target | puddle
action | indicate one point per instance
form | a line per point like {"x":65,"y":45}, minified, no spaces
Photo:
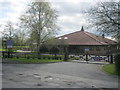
{"x":36,"y":75}
{"x":93,"y":86}
{"x":38,"y":84}
{"x":10,"y":79}
{"x":20,"y":74}
{"x":57,"y":79}
{"x":68,"y":84}
{"x":48,"y":77}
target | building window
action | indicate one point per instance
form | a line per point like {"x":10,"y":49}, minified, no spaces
{"x":118,"y":47}
{"x":97,"y":48}
{"x":91,"y":48}
{"x":104,"y":48}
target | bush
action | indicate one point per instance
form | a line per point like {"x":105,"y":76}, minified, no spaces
{"x":48,"y":58}
{"x":60,"y":58}
{"x":17,"y":57}
{"x":117,"y":63}
{"x":28,"y":57}
{"x":43,"y":49}
{"x":44,"y":57}
{"x":54,"y":50}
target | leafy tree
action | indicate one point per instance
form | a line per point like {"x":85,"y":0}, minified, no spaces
{"x":16,"y":35}
{"x":117,"y":63}
{"x":105,"y":17}
{"x":40,"y":20}
{"x":19,"y":38}
{"x":8,"y":30}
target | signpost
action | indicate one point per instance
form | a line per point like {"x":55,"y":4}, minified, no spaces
{"x":97,"y":58}
{"x":86,"y":50}
{"x":9,"y":47}
{"x":9,"y":44}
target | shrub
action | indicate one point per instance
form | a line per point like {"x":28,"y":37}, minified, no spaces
{"x":49,"y":58}
{"x":60,"y":58}
{"x":54,"y":50}
{"x":43,"y":49}
{"x":28,"y":57}
{"x":117,"y":63}
{"x":17,"y":57}
{"x":44,"y":57}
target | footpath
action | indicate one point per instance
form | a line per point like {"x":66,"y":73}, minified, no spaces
{"x":90,"y":62}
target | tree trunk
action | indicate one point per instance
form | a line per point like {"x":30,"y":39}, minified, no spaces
{"x":66,"y":54}
{"x":55,"y":55}
{"x":87,"y":58}
{"x":108,"y":58}
{"x":111,"y":59}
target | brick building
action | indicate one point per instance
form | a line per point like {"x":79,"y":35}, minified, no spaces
{"x":83,"y":42}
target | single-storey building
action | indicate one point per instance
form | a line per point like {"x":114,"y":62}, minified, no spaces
{"x":83,"y":42}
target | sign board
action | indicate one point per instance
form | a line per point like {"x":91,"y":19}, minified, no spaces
{"x":97,"y":58}
{"x":86,"y":49}
{"x":9,"y":43}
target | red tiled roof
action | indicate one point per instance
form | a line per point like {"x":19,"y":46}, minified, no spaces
{"x":85,"y":38}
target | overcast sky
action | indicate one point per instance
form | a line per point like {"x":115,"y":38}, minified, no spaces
{"x":71,"y":17}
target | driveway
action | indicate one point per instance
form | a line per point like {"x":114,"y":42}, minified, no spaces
{"x":56,"y":75}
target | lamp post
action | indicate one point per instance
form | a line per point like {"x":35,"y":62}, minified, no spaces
{"x":4,"y":46}
{"x":86,"y":51}
{"x":66,"y":51}
{"x":9,"y":47}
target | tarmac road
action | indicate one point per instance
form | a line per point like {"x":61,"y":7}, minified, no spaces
{"x":56,"y":75}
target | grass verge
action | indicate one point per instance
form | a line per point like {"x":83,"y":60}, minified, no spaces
{"x":110,"y":69}
{"x":14,"y":50}
{"x":24,"y":60}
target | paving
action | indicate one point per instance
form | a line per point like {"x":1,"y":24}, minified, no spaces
{"x":56,"y":75}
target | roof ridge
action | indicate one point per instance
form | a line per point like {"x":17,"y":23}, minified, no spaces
{"x":110,"y":39}
{"x":93,"y":38}
{"x":69,"y":33}
{"x":104,"y":39}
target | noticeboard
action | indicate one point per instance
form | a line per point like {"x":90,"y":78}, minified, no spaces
{"x":97,"y":58}
{"x":9,"y":43}
{"x":86,"y":49}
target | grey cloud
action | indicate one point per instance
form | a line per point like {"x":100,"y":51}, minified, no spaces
{"x":67,"y":8}
{"x":70,"y":10}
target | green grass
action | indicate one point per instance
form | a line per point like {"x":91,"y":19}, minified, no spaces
{"x":3,"y":49}
{"x":35,"y":55}
{"x":24,"y":60}
{"x":14,"y":50}
{"x":110,"y":69}
{"x":21,"y":46}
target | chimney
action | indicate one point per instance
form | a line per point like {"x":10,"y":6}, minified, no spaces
{"x":82,"y":29}
{"x":103,"y":35}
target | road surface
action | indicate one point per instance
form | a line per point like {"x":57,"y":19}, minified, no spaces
{"x":56,"y":75}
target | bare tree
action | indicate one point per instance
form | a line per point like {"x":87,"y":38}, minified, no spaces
{"x":8,"y":30}
{"x":105,"y":17}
